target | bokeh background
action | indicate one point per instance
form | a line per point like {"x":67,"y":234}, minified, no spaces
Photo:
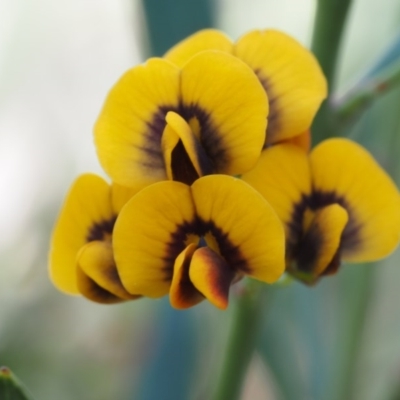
{"x":339,"y":340}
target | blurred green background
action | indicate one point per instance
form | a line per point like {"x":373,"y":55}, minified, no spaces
{"x":337,"y":341}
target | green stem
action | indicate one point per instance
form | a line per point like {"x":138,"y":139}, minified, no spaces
{"x":241,"y":342}
{"x":353,"y":339}
{"x":328,"y":29}
{"x":361,"y":96}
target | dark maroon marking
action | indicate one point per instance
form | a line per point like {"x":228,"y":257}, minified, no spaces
{"x":187,"y":291}
{"x":181,"y":165}
{"x":304,"y":249}
{"x":210,"y":140}
{"x":153,"y":134}
{"x":101,"y":229}
{"x":309,"y":249}
{"x":222,"y":276}
{"x":351,"y":238}
{"x":176,"y":245}
{"x":333,"y":266}
{"x":229,"y":252}
{"x":295,"y":226}
{"x":96,"y":292}
{"x":273,"y":115}
{"x":209,"y":149}
{"x":111,"y":273}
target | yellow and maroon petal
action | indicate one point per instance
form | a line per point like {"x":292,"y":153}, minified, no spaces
{"x":86,"y":215}
{"x":212,"y":276}
{"x":92,"y":291}
{"x":231,"y":124}
{"x":207,"y":39}
{"x":129,"y":129}
{"x":249,"y":234}
{"x":183,"y":293}
{"x":98,"y":277}
{"x":321,"y":241}
{"x":282,"y":176}
{"x":185,"y":158}
{"x":345,"y":173}
{"x":149,"y":234}
{"x":291,"y":76}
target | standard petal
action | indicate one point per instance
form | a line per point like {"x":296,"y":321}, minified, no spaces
{"x":96,"y":261}
{"x":183,"y":293}
{"x":345,"y":173}
{"x":86,"y":215}
{"x":321,"y":240}
{"x":129,"y":128}
{"x":207,"y":39}
{"x":120,"y":195}
{"x":282,"y":176}
{"x":249,"y":234}
{"x":212,"y":276}
{"x":149,"y":234}
{"x":230,"y":106}
{"x":291,"y":76}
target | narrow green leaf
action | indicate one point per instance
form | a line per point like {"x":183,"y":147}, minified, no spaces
{"x":381,"y":77}
{"x":10,"y":387}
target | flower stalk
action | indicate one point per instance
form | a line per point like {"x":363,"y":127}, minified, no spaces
{"x":328,"y":31}
{"x":243,"y":334}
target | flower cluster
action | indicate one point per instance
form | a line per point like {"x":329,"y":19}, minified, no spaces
{"x":212,"y":180}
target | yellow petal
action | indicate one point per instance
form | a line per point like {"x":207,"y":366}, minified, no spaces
{"x":149,"y":234}
{"x":185,"y":158}
{"x":249,"y":234}
{"x":86,"y":215}
{"x":129,"y":128}
{"x":92,"y":291}
{"x":291,"y":77}
{"x":207,"y":39}
{"x":282,"y":176}
{"x":303,"y":140}
{"x":182,"y":293}
{"x":321,"y":241}
{"x":346,"y":173}
{"x":232,"y":125}
{"x":96,"y":261}
{"x":212,"y":276}
{"x":120,"y":195}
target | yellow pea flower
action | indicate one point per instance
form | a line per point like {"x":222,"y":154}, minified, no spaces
{"x":161,"y":121}
{"x":289,"y":73}
{"x":193,"y":242}
{"x":336,"y":204}
{"x":81,"y":256}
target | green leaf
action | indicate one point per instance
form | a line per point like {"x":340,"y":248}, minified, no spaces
{"x":381,"y":77}
{"x":10,"y":387}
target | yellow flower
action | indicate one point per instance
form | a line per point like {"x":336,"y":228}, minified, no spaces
{"x":336,"y":204}
{"x":81,"y":256}
{"x":195,"y":241}
{"x":163,"y":122}
{"x":289,"y":73}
